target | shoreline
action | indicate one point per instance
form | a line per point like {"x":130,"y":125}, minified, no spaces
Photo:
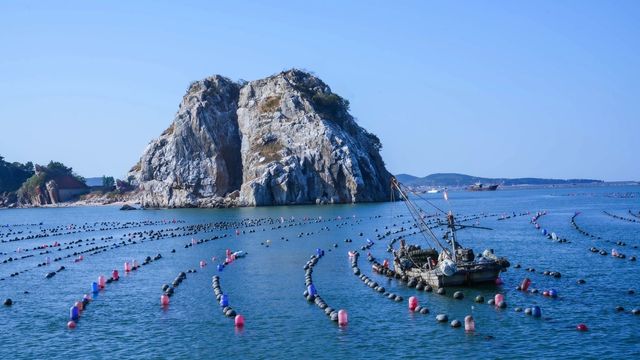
{"x":137,"y":205}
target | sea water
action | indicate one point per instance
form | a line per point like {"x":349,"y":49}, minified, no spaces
{"x":126,"y":319}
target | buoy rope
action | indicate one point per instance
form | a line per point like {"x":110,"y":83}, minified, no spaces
{"x":620,"y":217}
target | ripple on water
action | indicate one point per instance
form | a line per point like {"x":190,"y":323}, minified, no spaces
{"x":126,"y":319}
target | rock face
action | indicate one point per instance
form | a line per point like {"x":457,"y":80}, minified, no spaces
{"x":196,"y":161}
{"x":286,"y":139}
{"x":8,"y":199}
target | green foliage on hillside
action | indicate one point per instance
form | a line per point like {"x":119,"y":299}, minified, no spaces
{"x":45,"y":173}
{"x":12,"y":175}
{"x":330,"y":105}
{"x":108,"y":181}
{"x":55,"y":168}
{"x":30,"y":186}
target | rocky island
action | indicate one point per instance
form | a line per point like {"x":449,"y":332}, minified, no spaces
{"x":285,"y":139}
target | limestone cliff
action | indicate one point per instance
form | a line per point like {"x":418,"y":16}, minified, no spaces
{"x":286,"y":139}
{"x":196,"y":161}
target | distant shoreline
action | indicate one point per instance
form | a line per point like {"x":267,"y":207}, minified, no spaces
{"x":137,"y":205}
{"x":454,"y":180}
{"x":531,"y":186}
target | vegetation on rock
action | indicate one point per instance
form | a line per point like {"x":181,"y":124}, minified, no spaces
{"x":12,"y":175}
{"x":270,"y":104}
{"x":34,"y":185}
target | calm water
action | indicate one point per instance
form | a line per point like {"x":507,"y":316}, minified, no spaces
{"x":126,"y":319}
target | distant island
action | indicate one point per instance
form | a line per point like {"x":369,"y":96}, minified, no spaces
{"x":461,"y":180}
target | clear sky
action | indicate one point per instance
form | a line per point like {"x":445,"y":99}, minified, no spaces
{"x":487,"y":88}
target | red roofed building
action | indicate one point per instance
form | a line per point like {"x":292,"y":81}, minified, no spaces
{"x":69,"y":187}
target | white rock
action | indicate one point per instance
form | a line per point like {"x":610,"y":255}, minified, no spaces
{"x":268,"y":142}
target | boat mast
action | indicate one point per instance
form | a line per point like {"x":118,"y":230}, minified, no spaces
{"x":452,"y":229}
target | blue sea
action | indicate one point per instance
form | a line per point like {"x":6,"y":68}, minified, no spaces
{"x":126,"y":320}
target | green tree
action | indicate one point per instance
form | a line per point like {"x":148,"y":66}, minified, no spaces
{"x":58,"y":168}
{"x":12,"y":175}
{"x":108,"y":181}
{"x":55,"y":168}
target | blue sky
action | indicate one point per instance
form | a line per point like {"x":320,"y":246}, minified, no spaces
{"x":488,"y":88}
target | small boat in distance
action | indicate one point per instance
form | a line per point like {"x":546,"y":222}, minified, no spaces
{"x":482,"y":187}
{"x":433,"y":191}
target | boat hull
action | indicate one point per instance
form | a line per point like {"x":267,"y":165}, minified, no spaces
{"x":483,"y":188}
{"x":462,"y":277}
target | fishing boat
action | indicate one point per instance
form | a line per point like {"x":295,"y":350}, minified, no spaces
{"x":444,"y":263}
{"x":482,"y":187}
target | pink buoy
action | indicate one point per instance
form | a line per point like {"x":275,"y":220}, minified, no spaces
{"x":524,"y":286}
{"x":343,"y":318}
{"x":413,"y":303}
{"x":237,"y":232}
{"x":135,"y":264}
{"x":102,"y":281}
{"x":115,"y":275}
{"x":239,"y":321}
{"x":164,"y":299}
{"x":193,"y":242}
{"x":582,"y":327}
{"x":498,"y":298}
{"x":71,"y":324}
{"x":469,"y":323}
{"x":79,"y":305}
{"x":499,"y":281}
{"x":385,"y":264}
{"x":202,"y":263}
{"x":127,"y":266}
